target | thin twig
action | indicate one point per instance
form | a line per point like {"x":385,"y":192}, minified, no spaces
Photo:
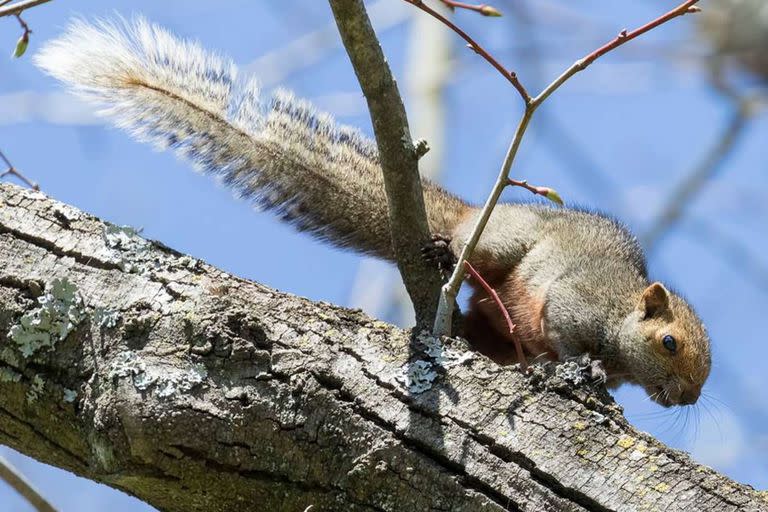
{"x":13,"y":172}
{"x":19,"y":7}
{"x":622,"y":38}
{"x":442,"y":324}
{"x":504,"y":311}
{"x":583,"y":170}
{"x":547,"y":192}
{"x":484,"y":9}
{"x":509,"y":75}
{"x":16,"y":480}
{"x":23,"y":24}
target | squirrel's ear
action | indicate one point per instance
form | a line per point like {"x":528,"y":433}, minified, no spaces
{"x":655,"y":301}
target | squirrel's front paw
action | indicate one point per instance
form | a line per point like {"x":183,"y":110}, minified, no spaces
{"x":438,"y":251}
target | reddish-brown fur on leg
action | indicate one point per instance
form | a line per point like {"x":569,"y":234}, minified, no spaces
{"x":487,"y":329}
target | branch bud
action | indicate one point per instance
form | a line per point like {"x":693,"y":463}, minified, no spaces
{"x":550,"y":194}
{"x":488,"y":10}
{"x":21,"y":45}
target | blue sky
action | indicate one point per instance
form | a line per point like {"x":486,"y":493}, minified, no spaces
{"x":616,"y":138}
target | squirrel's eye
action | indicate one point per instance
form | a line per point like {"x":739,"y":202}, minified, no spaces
{"x":669,"y":343}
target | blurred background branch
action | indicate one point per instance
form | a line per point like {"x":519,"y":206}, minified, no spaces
{"x":18,"y":483}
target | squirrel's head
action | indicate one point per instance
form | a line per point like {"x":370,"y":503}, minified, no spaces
{"x":666,"y":347}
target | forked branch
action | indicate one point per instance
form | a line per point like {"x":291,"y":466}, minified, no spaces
{"x":442,"y":324}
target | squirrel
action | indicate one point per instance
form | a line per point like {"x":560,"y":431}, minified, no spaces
{"x":574,"y":282}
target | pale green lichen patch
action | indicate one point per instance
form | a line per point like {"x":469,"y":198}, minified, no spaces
{"x":103,"y":452}
{"x":417,"y":376}
{"x":441,"y":355}
{"x":60,"y":310}
{"x":105,"y":318}
{"x":130,"y":249}
{"x":164,"y":381}
{"x":70,"y":395}
{"x":9,"y":356}
{"x":36,"y":389}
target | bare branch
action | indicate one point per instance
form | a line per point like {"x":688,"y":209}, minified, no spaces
{"x":504,"y":312}
{"x":623,"y":38}
{"x":399,"y":158}
{"x":443,"y":319}
{"x":16,"y":480}
{"x":509,"y":75}
{"x":12,"y":171}
{"x":484,"y":9}
{"x":20,"y":7}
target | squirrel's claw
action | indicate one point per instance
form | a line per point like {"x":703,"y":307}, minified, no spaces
{"x":438,"y":251}
{"x":597,"y":371}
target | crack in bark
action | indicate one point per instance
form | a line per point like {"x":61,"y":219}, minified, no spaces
{"x":54,"y":249}
{"x":442,"y":461}
{"x":541,"y":477}
{"x":87,"y":261}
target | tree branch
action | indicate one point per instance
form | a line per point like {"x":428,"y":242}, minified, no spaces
{"x":483,"y":9}
{"x":20,"y":7}
{"x":474,"y":46}
{"x":16,"y":480}
{"x":12,"y":171}
{"x":399,"y":159}
{"x":195,"y":390}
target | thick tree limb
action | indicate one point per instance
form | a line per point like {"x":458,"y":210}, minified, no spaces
{"x":399,"y":158}
{"x":195,"y":390}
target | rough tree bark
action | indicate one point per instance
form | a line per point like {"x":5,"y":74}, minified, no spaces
{"x":132,"y":365}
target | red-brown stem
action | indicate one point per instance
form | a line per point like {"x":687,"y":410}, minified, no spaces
{"x":622,"y":38}
{"x":625,"y":36}
{"x":23,"y":24}
{"x":495,"y":296}
{"x":524,"y":184}
{"x":469,"y":7}
{"x":509,"y":75}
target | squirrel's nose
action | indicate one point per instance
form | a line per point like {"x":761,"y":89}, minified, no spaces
{"x":689,"y":396}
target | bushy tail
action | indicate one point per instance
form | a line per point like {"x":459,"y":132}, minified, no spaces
{"x":281,"y":154}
